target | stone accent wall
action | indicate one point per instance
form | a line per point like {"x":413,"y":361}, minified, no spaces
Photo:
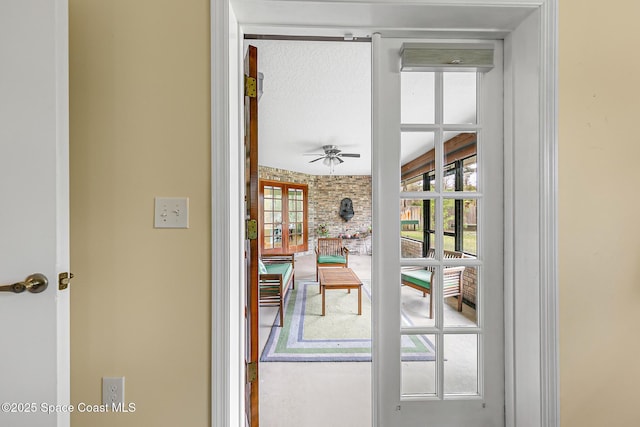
{"x":325,"y":193}
{"x":410,"y":248}
{"x":470,"y":285}
{"x":330,"y":190}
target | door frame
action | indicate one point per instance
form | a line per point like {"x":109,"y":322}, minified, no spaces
{"x":531,"y":284}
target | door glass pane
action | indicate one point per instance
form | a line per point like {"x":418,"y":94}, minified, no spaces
{"x":449,"y":215}
{"x":413,"y":184}
{"x":460,"y":223}
{"x":460,"y":291}
{"x":449,"y":178}
{"x":416,"y":308}
{"x":418,"y":366}
{"x":277,"y":236}
{"x":417,"y":153}
{"x":470,"y":226}
{"x":461,"y":364}
{"x":470,"y":173}
{"x":272,"y":217}
{"x":417,"y":228}
{"x":417,"y":98}
{"x":460,"y":166}
{"x":268,"y":236}
{"x":459,"y":98}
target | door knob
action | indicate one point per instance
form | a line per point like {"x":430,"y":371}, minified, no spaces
{"x":35,"y":283}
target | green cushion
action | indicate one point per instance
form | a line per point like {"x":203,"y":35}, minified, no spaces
{"x":417,"y":277}
{"x":285,"y":269}
{"x":331,"y":259}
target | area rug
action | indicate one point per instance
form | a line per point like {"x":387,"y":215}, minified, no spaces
{"x":339,"y":336}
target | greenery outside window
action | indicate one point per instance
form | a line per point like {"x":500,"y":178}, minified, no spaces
{"x":459,"y":216}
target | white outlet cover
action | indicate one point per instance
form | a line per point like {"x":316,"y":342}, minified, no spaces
{"x":112,"y":390}
{"x":171,"y":212}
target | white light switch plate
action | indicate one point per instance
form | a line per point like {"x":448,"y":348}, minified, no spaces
{"x":171,"y":212}
{"x":112,"y":390}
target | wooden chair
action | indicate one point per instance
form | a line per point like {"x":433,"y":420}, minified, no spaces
{"x":277,"y":275}
{"x":331,"y":253}
{"x":422,"y":278}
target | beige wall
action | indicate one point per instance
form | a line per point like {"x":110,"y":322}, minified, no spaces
{"x":140,"y":128}
{"x":599,"y":205}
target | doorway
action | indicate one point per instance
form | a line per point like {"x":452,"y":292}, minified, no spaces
{"x":522,"y":28}
{"x":316,"y":94}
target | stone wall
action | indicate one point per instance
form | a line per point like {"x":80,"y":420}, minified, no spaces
{"x":470,"y":285}
{"x":410,"y":248}
{"x":324,"y":195}
{"x":330,"y":190}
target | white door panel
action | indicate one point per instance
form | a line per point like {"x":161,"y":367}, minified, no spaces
{"x":438,"y":407}
{"x":34,"y":231}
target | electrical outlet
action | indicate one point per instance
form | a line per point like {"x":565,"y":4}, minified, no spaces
{"x":112,"y":390}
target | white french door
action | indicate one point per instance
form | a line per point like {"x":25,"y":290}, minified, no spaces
{"x":438,"y":221}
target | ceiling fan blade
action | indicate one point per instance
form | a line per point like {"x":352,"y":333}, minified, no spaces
{"x":315,"y":160}
{"x":313,"y":154}
{"x":349,"y":155}
{"x":340,"y":160}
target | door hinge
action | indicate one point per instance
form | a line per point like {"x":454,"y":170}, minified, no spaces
{"x":251,"y":229}
{"x":63,"y":280}
{"x":250,"y":86}
{"x":252,"y":371}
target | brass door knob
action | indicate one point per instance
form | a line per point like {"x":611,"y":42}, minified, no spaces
{"x":35,"y":283}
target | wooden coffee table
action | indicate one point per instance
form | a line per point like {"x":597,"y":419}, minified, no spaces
{"x":339,"y":278}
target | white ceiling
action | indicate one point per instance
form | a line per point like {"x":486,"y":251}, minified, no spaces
{"x":315,"y":93}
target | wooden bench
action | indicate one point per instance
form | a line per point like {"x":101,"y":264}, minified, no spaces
{"x":421,"y":279}
{"x":409,"y":224}
{"x":274,"y":280}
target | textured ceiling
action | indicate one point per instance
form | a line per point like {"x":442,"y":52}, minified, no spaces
{"x":319,"y":93}
{"x":315,"y":94}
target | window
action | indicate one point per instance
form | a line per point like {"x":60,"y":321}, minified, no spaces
{"x":283,"y":217}
{"x":459,"y":215}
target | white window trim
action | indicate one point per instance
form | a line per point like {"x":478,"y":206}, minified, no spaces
{"x":526,"y":402}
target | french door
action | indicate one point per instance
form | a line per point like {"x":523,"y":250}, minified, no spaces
{"x":438,"y":220}
{"x":283,"y":217}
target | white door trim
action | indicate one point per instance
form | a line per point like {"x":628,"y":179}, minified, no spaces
{"x":531,"y":311}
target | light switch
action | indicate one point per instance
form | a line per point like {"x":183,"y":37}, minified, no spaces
{"x":172,"y":212}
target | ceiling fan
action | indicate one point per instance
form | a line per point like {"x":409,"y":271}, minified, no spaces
{"x":331,"y":155}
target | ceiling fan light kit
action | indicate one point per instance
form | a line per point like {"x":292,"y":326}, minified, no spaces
{"x":331,"y":156}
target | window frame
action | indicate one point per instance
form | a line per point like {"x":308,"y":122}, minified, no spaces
{"x":285,"y":248}
{"x":428,"y":227}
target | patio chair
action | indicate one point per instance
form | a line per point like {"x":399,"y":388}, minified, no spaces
{"x":331,"y":253}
